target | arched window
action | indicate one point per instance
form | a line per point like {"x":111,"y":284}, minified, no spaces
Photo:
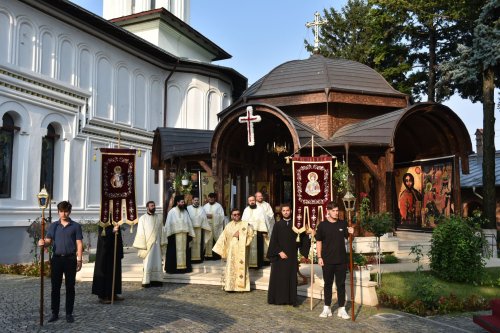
{"x":6,"y":148}
{"x":47,"y":170}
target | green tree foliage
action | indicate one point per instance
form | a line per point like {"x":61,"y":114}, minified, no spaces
{"x":404,"y":40}
{"x":456,"y":251}
{"x":474,"y":73}
{"x":359,"y":33}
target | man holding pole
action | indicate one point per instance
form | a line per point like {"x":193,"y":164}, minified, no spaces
{"x":331,"y":252}
{"x":66,"y":238}
{"x":107,"y":256}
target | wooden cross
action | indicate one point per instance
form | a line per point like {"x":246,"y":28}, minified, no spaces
{"x":250,"y":119}
{"x":316,"y":24}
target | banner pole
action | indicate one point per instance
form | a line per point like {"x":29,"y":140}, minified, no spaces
{"x":42,"y":259}
{"x":312,"y":146}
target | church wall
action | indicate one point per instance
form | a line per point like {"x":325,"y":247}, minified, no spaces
{"x":87,"y":89}
{"x":203,"y":98}
{"x":52,"y":73}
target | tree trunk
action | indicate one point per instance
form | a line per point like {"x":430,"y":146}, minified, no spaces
{"x":489,"y":201}
{"x":431,"y":88}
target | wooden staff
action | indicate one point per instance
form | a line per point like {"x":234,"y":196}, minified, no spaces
{"x":114,"y":267}
{"x":351,"y":267}
{"x":312,"y":241}
{"x":311,"y":257}
{"x":116,"y":241}
{"x":42,"y":258}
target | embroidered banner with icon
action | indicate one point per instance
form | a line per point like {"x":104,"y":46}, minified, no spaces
{"x":118,"y":186}
{"x":312,"y":190}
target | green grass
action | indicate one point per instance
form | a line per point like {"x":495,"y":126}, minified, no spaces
{"x":398,"y":284}
{"x":423,"y":294}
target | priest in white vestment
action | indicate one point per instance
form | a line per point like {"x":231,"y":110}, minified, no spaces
{"x":233,"y":245}
{"x":202,"y":230}
{"x":149,"y":241}
{"x":259,"y":197}
{"x":256,"y":217}
{"x":215,"y":215}
{"x":179,"y":232}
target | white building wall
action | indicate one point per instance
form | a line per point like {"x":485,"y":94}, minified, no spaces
{"x":53,"y":73}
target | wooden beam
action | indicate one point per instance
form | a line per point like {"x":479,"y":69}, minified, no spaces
{"x":372,"y":167}
{"x":205,"y":167}
{"x":383,"y":188}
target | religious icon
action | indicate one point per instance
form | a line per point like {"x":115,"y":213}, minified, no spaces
{"x":312,"y":187}
{"x":117,"y":179}
{"x":410,"y":196}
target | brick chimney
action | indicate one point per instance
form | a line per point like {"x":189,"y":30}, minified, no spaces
{"x":479,"y":144}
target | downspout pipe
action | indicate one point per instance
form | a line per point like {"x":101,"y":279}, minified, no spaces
{"x":165,"y":93}
{"x":476,"y":194}
{"x":167,"y":182}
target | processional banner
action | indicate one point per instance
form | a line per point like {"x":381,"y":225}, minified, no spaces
{"x":118,"y":186}
{"x":312,"y":190}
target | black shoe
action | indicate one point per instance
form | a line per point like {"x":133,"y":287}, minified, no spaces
{"x":53,"y":318}
{"x":147,"y":285}
{"x":70,"y":318}
{"x":104,"y":301}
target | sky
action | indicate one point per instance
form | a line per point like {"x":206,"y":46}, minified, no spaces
{"x":262,"y":34}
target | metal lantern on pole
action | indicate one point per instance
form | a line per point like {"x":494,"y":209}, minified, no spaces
{"x":43,"y":199}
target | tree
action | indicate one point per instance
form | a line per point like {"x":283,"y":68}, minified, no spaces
{"x":360,"y":34}
{"x":378,"y":224}
{"x":475,"y":73}
{"x":432,"y":29}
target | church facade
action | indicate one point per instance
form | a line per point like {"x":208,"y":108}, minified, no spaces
{"x":342,"y":107}
{"x":72,"y":82}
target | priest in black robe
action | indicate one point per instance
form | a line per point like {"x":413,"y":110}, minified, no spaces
{"x":282,"y":254}
{"x":102,"y":283}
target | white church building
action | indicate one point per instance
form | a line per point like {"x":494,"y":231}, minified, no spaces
{"x":72,"y":82}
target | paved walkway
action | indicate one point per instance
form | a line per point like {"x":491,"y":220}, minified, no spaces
{"x":198,"y":308}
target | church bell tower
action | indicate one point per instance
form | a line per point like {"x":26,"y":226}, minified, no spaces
{"x":117,"y":8}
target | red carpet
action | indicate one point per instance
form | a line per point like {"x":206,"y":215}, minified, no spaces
{"x":491,"y":323}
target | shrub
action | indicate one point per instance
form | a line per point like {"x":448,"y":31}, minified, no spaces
{"x":390,"y":259}
{"x":456,"y":248}
{"x":27,"y":270}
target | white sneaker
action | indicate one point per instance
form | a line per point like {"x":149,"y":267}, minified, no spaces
{"x":341,"y":313}
{"x":327,"y":312}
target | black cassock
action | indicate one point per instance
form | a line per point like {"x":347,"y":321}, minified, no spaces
{"x":103,"y":270}
{"x":171,"y":257}
{"x":283,"y":281}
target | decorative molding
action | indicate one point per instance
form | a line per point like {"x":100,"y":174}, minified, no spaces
{"x":44,"y":90}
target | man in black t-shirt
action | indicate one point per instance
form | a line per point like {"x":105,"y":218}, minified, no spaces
{"x":330,"y":248}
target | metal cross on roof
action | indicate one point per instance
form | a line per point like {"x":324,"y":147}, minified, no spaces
{"x":250,"y":119}
{"x":316,"y":24}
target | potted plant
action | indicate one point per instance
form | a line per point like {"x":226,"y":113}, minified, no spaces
{"x":185,"y":178}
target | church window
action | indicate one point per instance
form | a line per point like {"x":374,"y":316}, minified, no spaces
{"x":6,"y":150}
{"x":48,"y":156}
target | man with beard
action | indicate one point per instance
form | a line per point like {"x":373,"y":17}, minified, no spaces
{"x":179,"y":232}
{"x":256,"y":217}
{"x":202,"y":230}
{"x":233,"y":245}
{"x":268,"y":211}
{"x":283,"y":256}
{"x":215,"y":215}
{"x":149,"y":241}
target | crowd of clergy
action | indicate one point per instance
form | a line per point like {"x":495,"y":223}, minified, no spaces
{"x":250,"y":240}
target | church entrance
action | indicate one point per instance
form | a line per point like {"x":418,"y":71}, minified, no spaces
{"x":259,"y":167}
